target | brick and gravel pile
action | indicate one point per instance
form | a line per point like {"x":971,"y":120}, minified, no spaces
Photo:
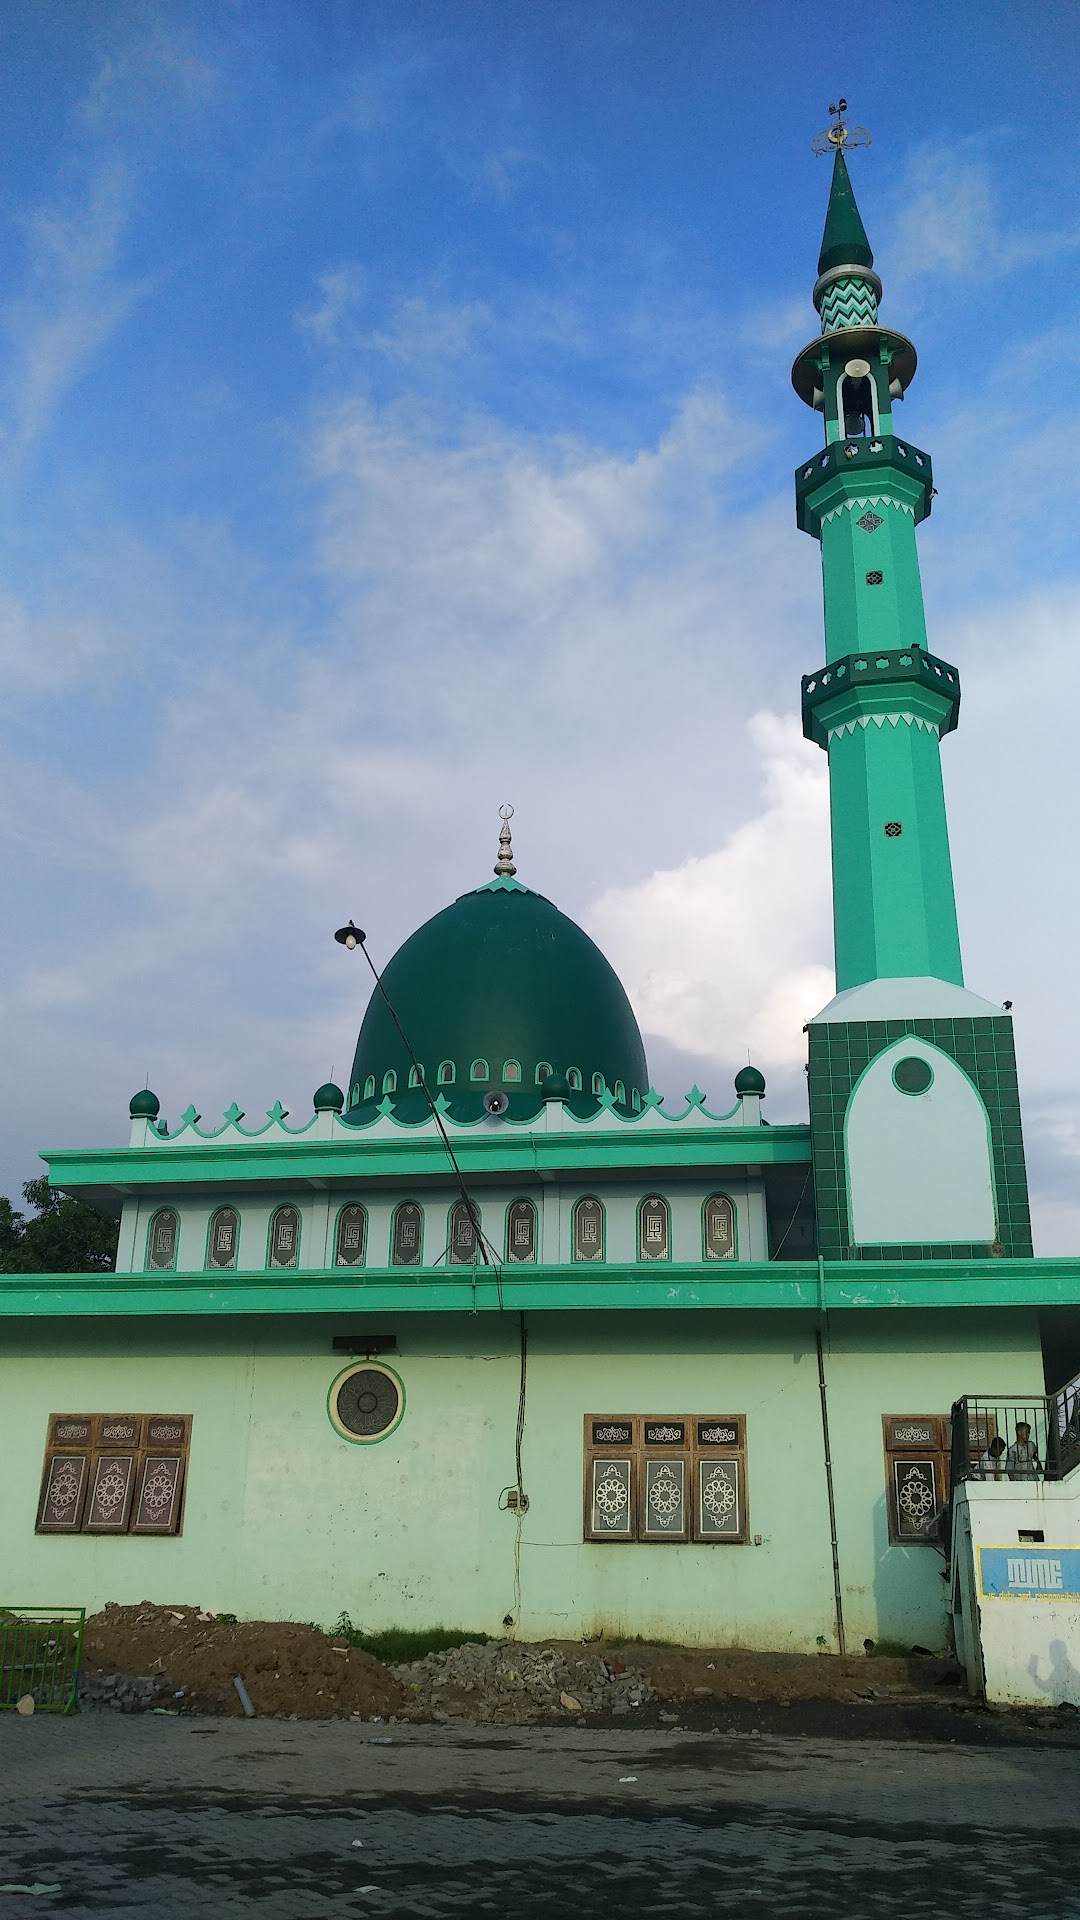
{"x":514,"y":1681}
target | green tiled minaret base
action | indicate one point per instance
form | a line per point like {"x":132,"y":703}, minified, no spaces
{"x":984,"y":1050}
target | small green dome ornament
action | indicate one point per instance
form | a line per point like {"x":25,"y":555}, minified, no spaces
{"x":144,"y":1105}
{"x":328,"y":1098}
{"x":749,"y":1080}
{"x":555,"y":1087}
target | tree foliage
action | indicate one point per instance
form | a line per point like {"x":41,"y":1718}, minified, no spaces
{"x":61,"y":1236}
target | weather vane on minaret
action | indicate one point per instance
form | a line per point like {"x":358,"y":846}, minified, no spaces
{"x":835,"y":138}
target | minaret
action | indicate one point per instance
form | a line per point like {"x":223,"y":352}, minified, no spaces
{"x":913,"y":1103}
{"x":882,"y":703}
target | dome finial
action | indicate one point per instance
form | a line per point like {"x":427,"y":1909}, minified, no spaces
{"x":505,"y":862}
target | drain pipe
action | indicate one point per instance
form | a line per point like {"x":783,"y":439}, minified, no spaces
{"x":837,"y":1595}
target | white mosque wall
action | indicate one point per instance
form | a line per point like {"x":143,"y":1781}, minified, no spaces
{"x":286,"y":1519}
{"x":1016,"y":1590}
{"x":919,"y":1165}
{"x":554,"y":1202}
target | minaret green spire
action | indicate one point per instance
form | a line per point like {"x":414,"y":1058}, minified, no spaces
{"x":882,"y":703}
{"x":844,"y":241}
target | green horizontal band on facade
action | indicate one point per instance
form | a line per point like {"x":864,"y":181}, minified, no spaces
{"x":777,"y":1285}
{"x":860,"y":683}
{"x":845,"y":467}
{"x":502,"y":1154}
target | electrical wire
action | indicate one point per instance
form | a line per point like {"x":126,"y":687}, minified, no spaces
{"x":776,"y":1250}
{"x":482,"y":1242}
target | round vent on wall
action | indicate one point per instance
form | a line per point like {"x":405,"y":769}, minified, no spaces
{"x":366,"y":1402}
{"x":912,"y":1074}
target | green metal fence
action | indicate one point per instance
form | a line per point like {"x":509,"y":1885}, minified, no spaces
{"x":40,"y":1655}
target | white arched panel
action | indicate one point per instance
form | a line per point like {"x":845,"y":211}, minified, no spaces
{"x":918,"y":1164}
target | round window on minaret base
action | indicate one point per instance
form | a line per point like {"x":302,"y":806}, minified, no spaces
{"x":366,"y":1403}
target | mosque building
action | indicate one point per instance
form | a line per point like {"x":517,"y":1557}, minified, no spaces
{"x":498,"y":1339}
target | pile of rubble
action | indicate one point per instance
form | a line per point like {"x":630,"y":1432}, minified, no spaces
{"x":513,"y":1681}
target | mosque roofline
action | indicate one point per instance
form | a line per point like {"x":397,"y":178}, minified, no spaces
{"x":808,"y":1287}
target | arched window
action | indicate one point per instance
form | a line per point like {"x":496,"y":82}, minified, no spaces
{"x":354,"y":1096}
{"x":446,"y":1073}
{"x":351,"y":1237}
{"x":521,"y":1232}
{"x":573,"y":1075}
{"x":598,"y":1084}
{"x":620,"y":1094}
{"x":654,"y":1229}
{"x":478,"y":1070}
{"x":369,"y":1087}
{"x":543,"y":1072}
{"x":389,"y":1082}
{"x":285,"y":1237}
{"x":635,"y":1101}
{"x":588,"y":1230}
{"x":161,"y":1241}
{"x":406,"y":1237}
{"x":718,"y":1228}
{"x":462,"y":1236}
{"x":511,"y":1070}
{"x":223,"y":1238}
{"x":416,"y":1076}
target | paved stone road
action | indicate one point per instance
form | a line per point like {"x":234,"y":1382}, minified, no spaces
{"x":162,"y":1819}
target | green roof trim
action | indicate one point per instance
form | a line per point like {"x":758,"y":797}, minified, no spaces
{"x":844,"y":242}
{"x":725,"y":1284}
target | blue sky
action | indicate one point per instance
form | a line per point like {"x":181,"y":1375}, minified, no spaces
{"x":395,"y":420}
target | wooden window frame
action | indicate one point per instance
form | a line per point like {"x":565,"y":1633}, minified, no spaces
{"x":137,"y":1441}
{"x":693,"y":1450}
{"x":933,"y":1452}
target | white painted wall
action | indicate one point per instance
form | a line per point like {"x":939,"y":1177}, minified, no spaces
{"x":919,"y":1166}
{"x":1020,"y":1649}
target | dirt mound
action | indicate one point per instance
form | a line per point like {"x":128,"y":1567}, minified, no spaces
{"x":286,"y":1667}
{"x":731,"y":1673}
{"x":515,"y":1682}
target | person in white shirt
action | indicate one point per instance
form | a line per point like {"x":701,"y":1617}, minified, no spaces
{"x":989,"y":1467}
{"x":1022,"y":1460}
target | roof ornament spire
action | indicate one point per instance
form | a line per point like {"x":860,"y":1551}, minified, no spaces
{"x":504,"y":865}
{"x":835,"y":138}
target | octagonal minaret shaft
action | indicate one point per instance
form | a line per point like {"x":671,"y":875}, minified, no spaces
{"x":881,"y":703}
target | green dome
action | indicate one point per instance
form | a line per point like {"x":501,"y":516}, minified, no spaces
{"x":144,"y":1105}
{"x":749,"y":1080}
{"x":328,"y":1097}
{"x":496,"y":992}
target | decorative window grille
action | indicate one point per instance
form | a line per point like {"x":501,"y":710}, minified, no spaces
{"x":917,"y":1475}
{"x":446,"y":1073}
{"x":654,"y":1229}
{"x":718,"y":1227}
{"x":114,"y":1473}
{"x":657,"y":1478}
{"x":351,"y":1237}
{"x":511,"y":1070}
{"x":521,"y":1232}
{"x":285,"y":1237}
{"x":369,"y":1087}
{"x":573,"y":1075}
{"x":389,"y":1082}
{"x":598,"y":1083}
{"x":366,"y":1402}
{"x":462,"y":1237}
{"x":588,"y":1230}
{"x":223,"y":1238}
{"x":478,"y":1070}
{"x":161,"y":1240}
{"x":405,"y":1239}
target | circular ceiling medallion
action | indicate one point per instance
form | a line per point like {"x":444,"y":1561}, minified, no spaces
{"x":365,"y":1402}
{"x":912,"y":1074}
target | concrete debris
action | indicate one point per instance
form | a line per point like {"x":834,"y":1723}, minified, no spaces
{"x":506,"y":1678}
{"x":25,"y":1705}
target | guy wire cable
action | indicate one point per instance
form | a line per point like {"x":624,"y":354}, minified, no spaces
{"x":481,"y":1240}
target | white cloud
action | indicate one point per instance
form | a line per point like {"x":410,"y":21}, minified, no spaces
{"x":729,"y":951}
{"x":950,"y":222}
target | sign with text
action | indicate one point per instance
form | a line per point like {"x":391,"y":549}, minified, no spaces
{"x":1029,"y":1573}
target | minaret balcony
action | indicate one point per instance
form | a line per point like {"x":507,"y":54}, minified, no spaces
{"x":906,"y":681}
{"x":847,"y":468}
